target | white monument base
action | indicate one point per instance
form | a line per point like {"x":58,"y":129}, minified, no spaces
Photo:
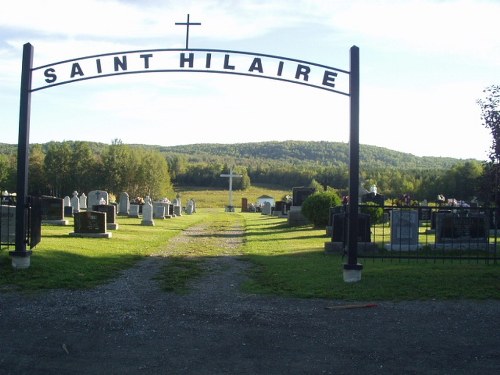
{"x":150,"y":223}
{"x":112,"y":226}
{"x":20,"y":262}
{"x":352,"y":273}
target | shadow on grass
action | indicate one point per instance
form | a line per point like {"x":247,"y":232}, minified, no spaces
{"x":63,"y":269}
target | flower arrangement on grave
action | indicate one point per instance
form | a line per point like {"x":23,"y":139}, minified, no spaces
{"x":138,"y":200}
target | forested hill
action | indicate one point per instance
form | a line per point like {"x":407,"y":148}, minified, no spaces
{"x":302,"y":152}
{"x":299,"y":153}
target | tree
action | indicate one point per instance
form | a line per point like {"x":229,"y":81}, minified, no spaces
{"x":57,"y":165}
{"x":37,"y":181}
{"x":4,"y":172}
{"x":490,"y":116}
{"x":316,"y":207}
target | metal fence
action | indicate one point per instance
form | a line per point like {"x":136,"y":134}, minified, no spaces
{"x":32,"y":233}
{"x":429,"y":233}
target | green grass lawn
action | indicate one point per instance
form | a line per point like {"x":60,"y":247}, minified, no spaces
{"x":287,"y":261}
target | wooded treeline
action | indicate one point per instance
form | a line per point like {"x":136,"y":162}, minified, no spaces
{"x":59,"y":168}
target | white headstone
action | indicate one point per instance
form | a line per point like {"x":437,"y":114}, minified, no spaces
{"x":83,"y":201}
{"x":75,"y":202}
{"x":147,"y":213}
{"x":266,"y":208}
{"x":124,"y":205}
{"x":67,"y":201}
{"x":404,"y":230}
{"x":96,"y":197}
{"x":190,"y":207}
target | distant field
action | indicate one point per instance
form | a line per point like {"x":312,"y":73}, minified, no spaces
{"x":216,"y":198}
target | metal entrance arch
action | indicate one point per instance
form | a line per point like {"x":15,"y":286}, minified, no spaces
{"x":189,"y":60}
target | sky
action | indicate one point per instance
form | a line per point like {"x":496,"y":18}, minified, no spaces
{"x":423,"y":66}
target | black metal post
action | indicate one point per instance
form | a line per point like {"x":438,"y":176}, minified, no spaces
{"x":352,"y":265}
{"x":23,"y":153}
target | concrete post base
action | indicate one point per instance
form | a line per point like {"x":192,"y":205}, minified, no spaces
{"x":20,"y":260}
{"x":352,"y":272}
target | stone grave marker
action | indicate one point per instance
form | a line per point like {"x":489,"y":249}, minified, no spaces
{"x":404,"y":230}
{"x":456,"y":230}
{"x":135,"y":211}
{"x":266,"y":208}
{"x":299,"y":194}
{"x":75,"y":202}
{"x":83,"y":202}
{"x":96,"y":197}
{"x":190,"y":207}
{"x":124,"y":204}
{"x":147,"y":213}
{"x":90,"y":224}
{"x":110,"y":210}
{"x":158,"y":211}
{"x":52,"y":211}
{"x":339,"y":232}
{"x":68,"y":210}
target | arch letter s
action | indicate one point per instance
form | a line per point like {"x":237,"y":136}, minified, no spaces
{"x":50,"y":73}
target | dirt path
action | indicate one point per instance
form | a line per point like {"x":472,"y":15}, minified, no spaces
{"x":130,"y":326}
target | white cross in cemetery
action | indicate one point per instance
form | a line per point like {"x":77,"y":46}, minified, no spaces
{"x":230,"y":208}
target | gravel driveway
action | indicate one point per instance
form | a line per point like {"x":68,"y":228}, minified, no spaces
{"x":130,"y":326}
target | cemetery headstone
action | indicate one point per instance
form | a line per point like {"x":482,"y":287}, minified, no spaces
{"x":404,"y":230}
{"x":110,"y":210}
{"x":83,"y":201}
{"x":68,"y":210}
{"x":177,"y":207}
{"x":460,"y":230}
{"x":147,"y":213}
{"x":124,"y":204}
{"x":90,"y":224}
{"x":299,"y":194}
{"x":96,"y":197}
{"x":266,"y":208}
{"x":158,"y":211}
{"x":52,"y":210}
{"x":244,"y":204}
{"x":339,"y":232}
{"x":75,"y":202}
{"x":190,"y":207}
{"x":67,"y":201}
{"x":134,"y":211}
{"x":278,"y":208}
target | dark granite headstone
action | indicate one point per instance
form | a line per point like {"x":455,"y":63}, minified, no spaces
{"x":244,"y":204}
{"x":90,"y":222}
{"x":300,"y":194}
{"x":52,"y":208}
{"x":454,"y":228}
{"x":110,"y":210}
{"x":340,"y":226}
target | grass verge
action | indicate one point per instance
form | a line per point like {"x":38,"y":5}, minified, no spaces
{"x":61,"y":261}
{"x":288,"y":261}
{"x":291,"y":262}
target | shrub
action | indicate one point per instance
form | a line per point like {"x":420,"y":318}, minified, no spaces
{"x":316,"y":207}
{"x":375,"y":211}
